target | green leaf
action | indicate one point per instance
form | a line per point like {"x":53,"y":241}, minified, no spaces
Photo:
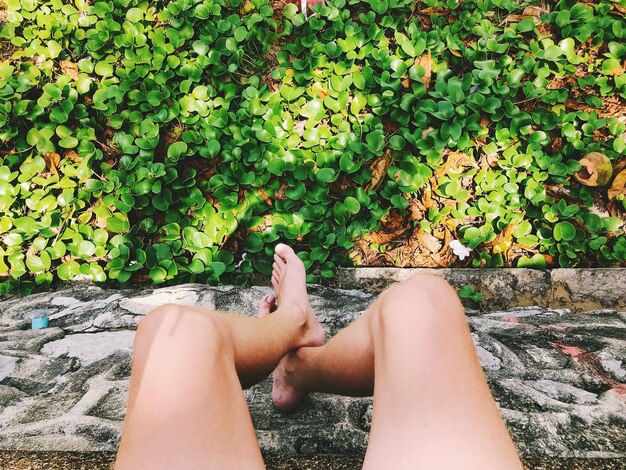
{"x":564,"y":231}
{"x":85,"y":249}
{"x":177,"y":150}
{"x":325,"y":175}
{"x":134,"y":15}
{"x":553,"y":53}
{"x":538,"y":261}
{"x":104,"y":69}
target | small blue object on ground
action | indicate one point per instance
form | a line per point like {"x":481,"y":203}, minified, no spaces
{"x":39,"y":323}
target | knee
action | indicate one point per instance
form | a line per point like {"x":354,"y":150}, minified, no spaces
{"x":417,"y":302}
{"x":172,"y":325}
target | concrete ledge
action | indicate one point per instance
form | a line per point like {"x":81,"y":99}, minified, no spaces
{"x":559,"y":377}
{"x":575,"y":289}
{"x":105,"y":460}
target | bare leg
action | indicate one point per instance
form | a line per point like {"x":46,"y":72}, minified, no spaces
{"x":186,"y":408}
{"x":432,"y":405}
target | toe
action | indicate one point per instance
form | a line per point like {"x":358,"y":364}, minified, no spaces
{"x":280,"y":263}
{"x":265,"y":306}
{"x":275,"y":284}
{"x":285,"y":252}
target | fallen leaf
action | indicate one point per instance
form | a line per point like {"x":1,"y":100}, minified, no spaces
{"x":265,"y":197}
{"x":455,"y":162}
{"x":618,"y":186}
{"x":73,"y":156}
{"x":52,"y":160}
{"x":439,"y":11}
{"x":280,"y":192}
{"x":70,"y":69}
{"x":529,"y":12}
{"x":379,"y":170}
{"x":503,"y":238}
{"x":596,"y":171}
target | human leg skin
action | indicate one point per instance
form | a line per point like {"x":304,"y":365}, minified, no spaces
{"x":186,"y":408}
{"x":432,"y":405}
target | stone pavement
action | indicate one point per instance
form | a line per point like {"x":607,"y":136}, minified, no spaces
{"x":559,"y":377}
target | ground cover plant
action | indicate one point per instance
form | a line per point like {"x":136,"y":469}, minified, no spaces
{"x":179,"y":141}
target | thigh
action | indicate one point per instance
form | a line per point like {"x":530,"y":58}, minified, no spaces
{"x":432,"y":405}
{"x":186,"y":406}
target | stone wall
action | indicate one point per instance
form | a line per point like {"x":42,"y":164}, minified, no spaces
{"x":558,"y":377}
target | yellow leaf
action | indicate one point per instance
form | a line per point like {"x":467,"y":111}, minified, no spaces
{"x":618,"y":186}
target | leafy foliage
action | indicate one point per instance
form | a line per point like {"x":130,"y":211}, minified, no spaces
{"x":180,"y":140}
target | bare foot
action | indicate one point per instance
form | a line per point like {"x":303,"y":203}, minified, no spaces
{"x":287,"y":397}
{"x":266,"y":304}
{"x":289,"y":281}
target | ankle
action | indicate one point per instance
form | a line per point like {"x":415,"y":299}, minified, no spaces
{"x":296,"y":315}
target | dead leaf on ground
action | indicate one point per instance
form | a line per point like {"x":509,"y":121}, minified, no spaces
{"x":70,"y":69}
{"x":430,"y":242}
{"x":416,"y":209}
{"x":619,"y":9}
{"x":596,"y":171}
{"x":426,"y":62}
{"x":379,"y":170}
{"x":280,"y":192}
{"x":503,"y":238}
{"x":52,"y":160}
{"x":439,"y":11}
{"x":446,"y":256}
{"x":455,"y":163}
{"x":381,"y":238}
{"x":533,"y":12}
{"x":265,"y":197}
{"x":618,"y":186}
{"x":73,"y":156}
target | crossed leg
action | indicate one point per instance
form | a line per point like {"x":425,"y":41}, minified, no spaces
{"x":186,"y":407}
{"x":412,"y":349}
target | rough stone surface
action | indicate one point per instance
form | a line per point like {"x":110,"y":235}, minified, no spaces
{"x":558,"y":376}
{"x":104,"y":461}
{"x":576,"y":289}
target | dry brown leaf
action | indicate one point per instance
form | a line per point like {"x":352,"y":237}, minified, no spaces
{"x":416,"y":209}
{"x":425,"y":61}
{"x":503,"y":238}
{"x":431,"y":243}
{"x":379,"y":170}
{"x":532,"y":12}
{"x":280,"y":192}
{"x":439,"y":11}
{"x":620,"y":9}
{"x":455,"y":162}
{"x":446,"y":256}
{"x":52,"y":160}
{"x":596,"y":171}
{"x":265,"y":197}
{"x":529,"y":12}
{"x":618,"y":186}
{"x":73,"y":156}
{"x":70,"y":69}
{"x":406,"y":83}
{"x":383,"y":238}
